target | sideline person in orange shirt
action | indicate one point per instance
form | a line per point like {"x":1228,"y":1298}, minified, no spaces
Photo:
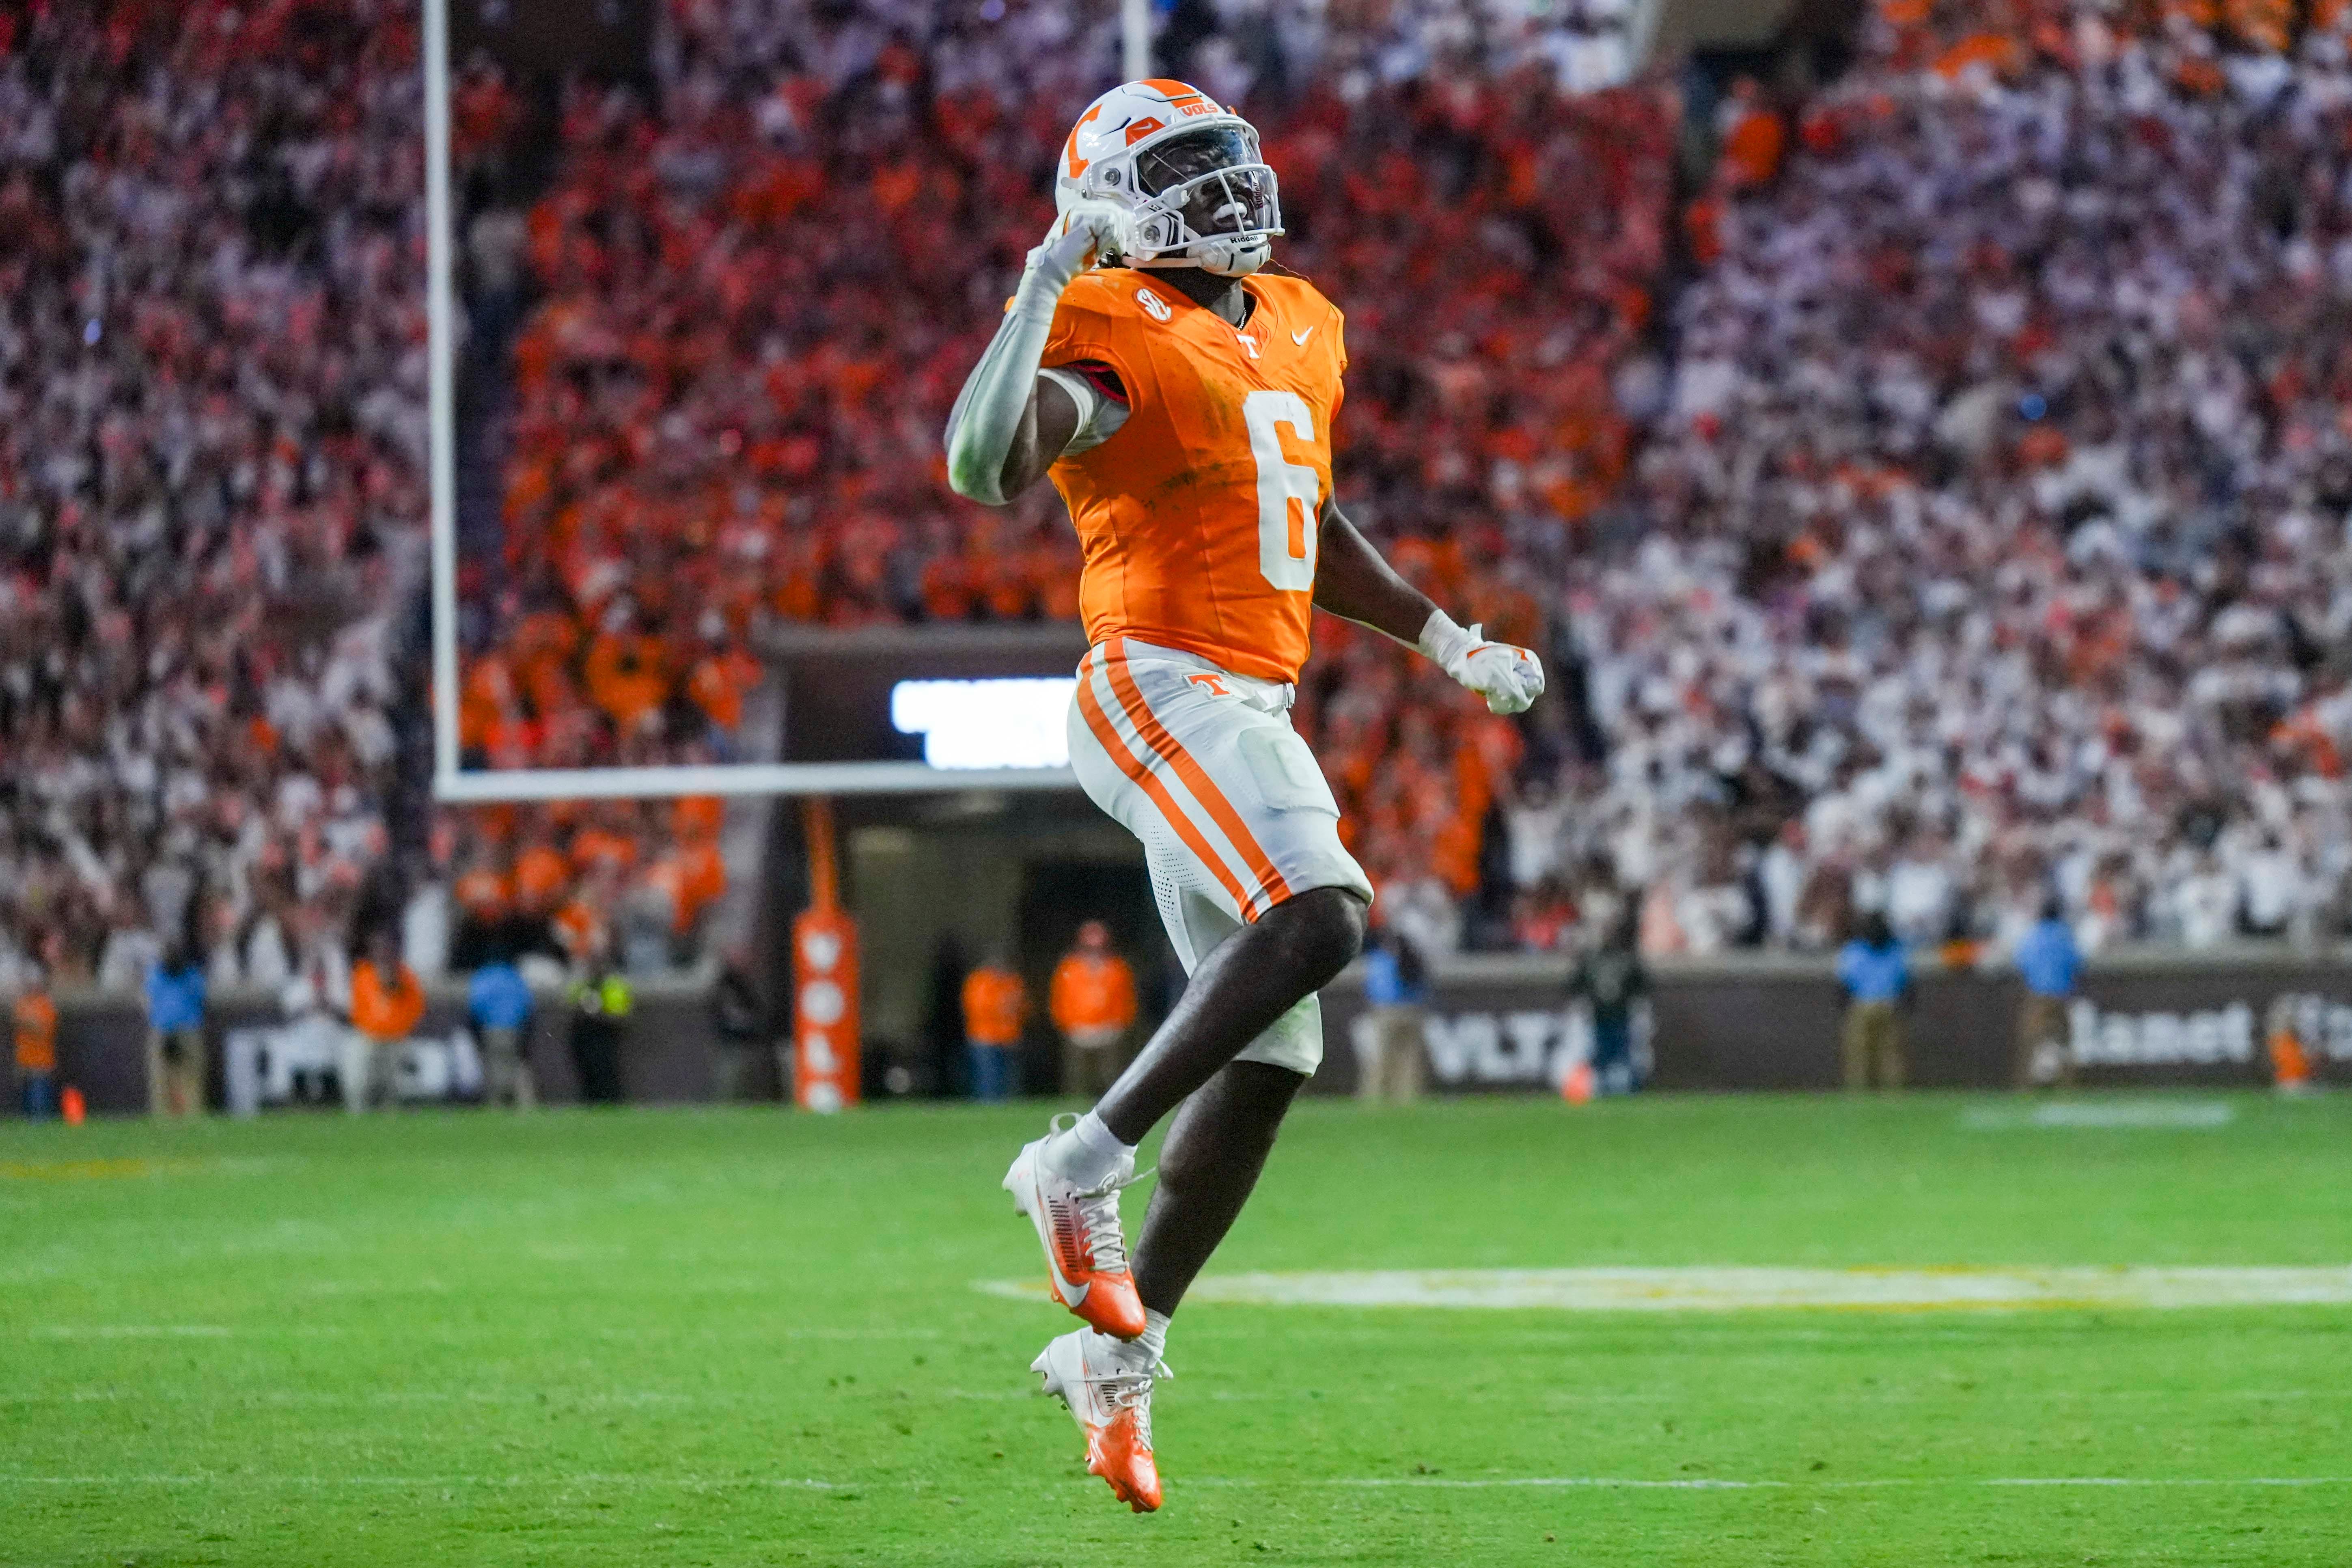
{"x":995,"y":1007}
{"x":34,"y":1016}
{"x":387,"y":1003}
{"x":1093,"y":1006}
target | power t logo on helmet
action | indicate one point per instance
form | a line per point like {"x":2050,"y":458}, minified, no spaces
{"x":1185,"y":171}
{"x":1185,"y":414}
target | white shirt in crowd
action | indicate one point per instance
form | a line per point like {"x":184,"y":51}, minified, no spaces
{"x":2273,"y":885}
{"x":2206,"y":903}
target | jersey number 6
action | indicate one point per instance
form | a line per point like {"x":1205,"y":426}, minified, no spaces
{"x":1288,"y":493}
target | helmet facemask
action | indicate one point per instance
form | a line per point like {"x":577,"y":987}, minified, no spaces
{"x":1203,"y":198}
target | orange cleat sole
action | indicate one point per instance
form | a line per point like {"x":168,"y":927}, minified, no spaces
{"x":1137,"y":1485}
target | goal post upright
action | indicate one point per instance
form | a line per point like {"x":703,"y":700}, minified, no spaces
{"x":441,"y":410}
{"x":1135,"y":38}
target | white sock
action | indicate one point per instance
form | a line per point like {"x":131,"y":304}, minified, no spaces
{"x":1141,"y":1353}
{"x":1089,"y":1154}
{"x":1153,"y":1341}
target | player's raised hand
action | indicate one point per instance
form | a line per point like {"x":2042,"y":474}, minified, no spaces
{"x":1088,"y":234}
{"x":1508,"y":677}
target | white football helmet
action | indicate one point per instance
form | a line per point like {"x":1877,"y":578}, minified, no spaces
{"x":1185,"y":168}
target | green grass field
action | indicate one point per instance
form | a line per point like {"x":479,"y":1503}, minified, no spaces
{"x":751,"y":1337}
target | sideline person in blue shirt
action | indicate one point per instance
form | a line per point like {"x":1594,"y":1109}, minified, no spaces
{"x":2050,"y":962}
{"x":1877,"y":980}
{"x":1392,"y":1064}
{"x":175,"y":1034}
{"x":500,"y":1004}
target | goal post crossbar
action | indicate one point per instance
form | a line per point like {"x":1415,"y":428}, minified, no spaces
{"x":485,"y":787}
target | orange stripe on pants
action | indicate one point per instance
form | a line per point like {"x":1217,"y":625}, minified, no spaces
{"x":1100,"y":722}
{"x":1272,"y":889}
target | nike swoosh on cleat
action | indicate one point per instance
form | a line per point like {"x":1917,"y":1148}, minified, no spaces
{"x":1301,"y":338}
{"x":1071,"y":1294}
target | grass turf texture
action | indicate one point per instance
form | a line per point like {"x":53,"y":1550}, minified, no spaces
{"x":748,"y":1337}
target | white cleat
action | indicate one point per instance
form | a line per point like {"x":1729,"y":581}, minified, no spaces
{"x":1111,"y":1402}
{"x":1086,"y":1253}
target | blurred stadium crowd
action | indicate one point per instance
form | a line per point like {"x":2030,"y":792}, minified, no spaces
{"x":212,"y":443}
{"x":1993,"y":533}
{"x":211,"y":450}
{"x":1936,"y":498}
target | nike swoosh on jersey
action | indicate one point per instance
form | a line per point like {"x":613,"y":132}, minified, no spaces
{"x":1301,"y":338}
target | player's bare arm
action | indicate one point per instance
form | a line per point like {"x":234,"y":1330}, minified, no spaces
{"x":1353,"y":582}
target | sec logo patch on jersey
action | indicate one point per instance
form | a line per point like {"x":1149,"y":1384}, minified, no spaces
{"x":1153,"y":305}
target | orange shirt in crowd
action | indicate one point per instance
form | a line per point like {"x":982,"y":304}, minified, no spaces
{"x":718,"y":684}
{"x":1092,"y":991}
{"x":593,"y":847}
{"x":994,"y":1003}
{"x":579,"y":927}
{"x":626,"y":678}
{"x":36,"y":1018}
{"x":385,"y":1010}
{"x":1755,"y":145}
{"x":1991,"y":50}
{"x":483,"y":894}
{"x":694,"y":876}
{"x":697,"y":817}
{"x":541,"y":876}
{"x":703,"y":873}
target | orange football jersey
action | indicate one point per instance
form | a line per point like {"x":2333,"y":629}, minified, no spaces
{"x":1197,"y":517}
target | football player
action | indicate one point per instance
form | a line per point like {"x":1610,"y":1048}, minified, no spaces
{"x":1181,"y":398}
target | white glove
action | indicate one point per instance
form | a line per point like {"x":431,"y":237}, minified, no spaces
{"x":1510,"y":678}
{"x":1089,"y":233}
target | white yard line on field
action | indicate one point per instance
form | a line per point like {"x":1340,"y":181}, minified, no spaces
{"x":1709,"y":1484}
{"x":1727,"y":1289}
{"x":690,"y":1483}
{"x":2126,"y":1114}
{"x":1288,"y":1482}
{"x":128,"y":1331}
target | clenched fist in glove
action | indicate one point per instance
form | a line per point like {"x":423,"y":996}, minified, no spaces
{"x":1089,"y":233}
{"x":1510,"y":678}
